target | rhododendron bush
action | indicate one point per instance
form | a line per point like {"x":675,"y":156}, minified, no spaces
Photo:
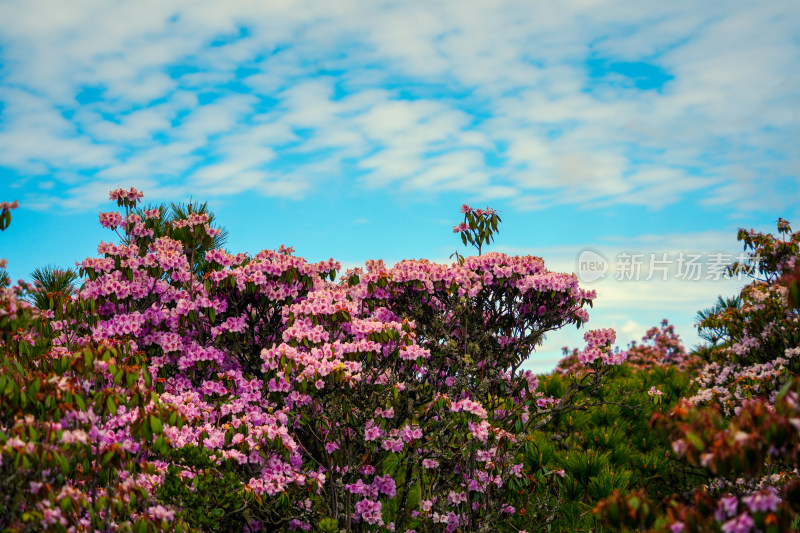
{"x":610,"y":445}
{"x":185,"y":387}
{"x":742,"y":425}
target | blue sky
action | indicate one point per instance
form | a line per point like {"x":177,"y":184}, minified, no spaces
{"x":355,"y":129}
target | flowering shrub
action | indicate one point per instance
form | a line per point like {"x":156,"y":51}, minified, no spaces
{"x":754,"y":459}
{"x":256,"y":392}
{"x":759,"y":336}
{"x":75,"y":426}
{"x":661,"y":348}
{"x":741,"y":426}
{"x":607,"y":444}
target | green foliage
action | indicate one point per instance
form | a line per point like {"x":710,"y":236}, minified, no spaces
{"x":210,"y":496}
{"x":479,"y":227}
{"x":710,"y":330}
{"x":610,"y":446}
{"x":194,"y":247}
{"x":52,"y":286}
{"x":36,"y":391}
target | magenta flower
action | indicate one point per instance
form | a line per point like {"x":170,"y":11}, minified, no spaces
{"x":370,"y":511}
{"x":372,"y":433}
{"x":430,"y":463}
{"x":456,"y":497}
{"x":110,"y":220}
{"x":331,"y":447}
{"x":727,"y":507}
{"x":762,"y":501}
{"x":741,"y":524}
{"x":159,"y":512}
{"x":385,"y":484}
{"x":410,"y":433}
{"x":76,"y":436}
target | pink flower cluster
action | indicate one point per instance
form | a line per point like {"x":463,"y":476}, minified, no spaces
{"x":299,"y":384}
{"x":598,"y":347}
{"x":131,"y":195}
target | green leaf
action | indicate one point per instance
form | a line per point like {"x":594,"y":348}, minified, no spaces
{"x":107,"y":457}
{"x":160,"y":444}
{"x":33,"y":388}
{"x":147,"y":431}
{"x":155,"y":424}
{"x":391,"y":463}
{"x":696,"y":441}
{"x":111,"y":405}
{"x":64,"y":464}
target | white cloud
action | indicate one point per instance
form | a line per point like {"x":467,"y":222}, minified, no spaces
{"x":676,"y":299}
{"x":447,"y":96}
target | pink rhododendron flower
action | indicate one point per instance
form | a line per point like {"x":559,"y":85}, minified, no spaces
{"x":370,"y":511}
{"x":159,"y":512}
{"x":763,"y":501}
{"x":430,"y":463}
{"x":741,"y":524}
{"x":110,"y":220}
{"x":77,"y":436}
{"x":331,"y":447}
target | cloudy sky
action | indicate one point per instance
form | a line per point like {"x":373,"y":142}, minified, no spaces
{"x":355,"y":130}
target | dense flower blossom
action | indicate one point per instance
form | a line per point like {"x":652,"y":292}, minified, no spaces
{"x":762,"y":501}
{"x":741,"y":524}
{"x":121,"y":194}
{"x":110,"y":220}
{"x":297,"y":385}
{"x":370,"y":511}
